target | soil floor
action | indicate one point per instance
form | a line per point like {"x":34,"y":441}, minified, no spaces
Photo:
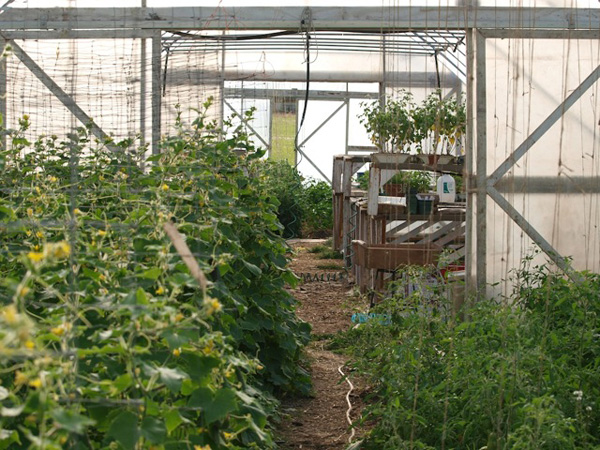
{"x":320,"y":421}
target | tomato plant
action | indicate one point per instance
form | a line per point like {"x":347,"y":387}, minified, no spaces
{"x":517,"y":374}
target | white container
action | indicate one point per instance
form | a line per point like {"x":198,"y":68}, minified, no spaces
{"x":446,"y":189}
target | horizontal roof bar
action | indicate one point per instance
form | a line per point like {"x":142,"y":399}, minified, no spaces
{"x":374,"y":19}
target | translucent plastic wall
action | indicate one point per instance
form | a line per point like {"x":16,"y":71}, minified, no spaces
{"x":103,"y":78}
{"x":554,"y":187}
{"x":189,"y":79}
{"x":110,"y":80}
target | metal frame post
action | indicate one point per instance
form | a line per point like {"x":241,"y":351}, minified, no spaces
{"x":156,"y":91}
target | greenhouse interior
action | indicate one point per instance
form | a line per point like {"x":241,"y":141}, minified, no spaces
{"x":299,"y":224}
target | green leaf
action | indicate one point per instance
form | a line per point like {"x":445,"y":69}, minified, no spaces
{"x":215,"y":407}
{"x":152,"y":274}
{"x":255,"y":270}
{"x":71,"y":421}
{"x":91,"y":274}
{"x":7,"y":438}
{"x":140,"y":296}
{"x":154,"y":429}
{"x":124,"y":429}
{"x":7,"y":213}
{"x":123,"y":382}
{"x":172,"y":377}
{"x":3,"y":393}
{"x":172,"y":420}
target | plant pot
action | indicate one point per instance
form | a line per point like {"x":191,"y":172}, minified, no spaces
{"x":412,"y":203}
{"x":423,"y":159}
{"x":425,"y":204}
{"x":394,"y":189}
{"x":401,"y":157}
{"x":434,"y":160}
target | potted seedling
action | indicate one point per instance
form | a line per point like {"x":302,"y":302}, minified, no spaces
{"x":439,"y":126}
{"x":390,"y":125}
{"x":419,"y":182}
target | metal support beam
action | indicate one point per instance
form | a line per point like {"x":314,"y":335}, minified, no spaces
{"x":60,"y":94}
{"x":156,"y":91}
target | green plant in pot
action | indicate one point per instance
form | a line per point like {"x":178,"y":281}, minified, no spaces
{"x":390,"y":125}
{"x":439,"y":124}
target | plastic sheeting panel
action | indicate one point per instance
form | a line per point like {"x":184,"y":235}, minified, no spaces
{"x":552,"y":185}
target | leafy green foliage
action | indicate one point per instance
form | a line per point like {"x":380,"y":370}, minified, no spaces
{"x":436,"y":125}
{"x":304,"y":206}
{"x":318,"y":209}
{"x":107,"y":340}
{"x":391,"y":124}
{"x":521,"y":374}
{"x":286,"y":186}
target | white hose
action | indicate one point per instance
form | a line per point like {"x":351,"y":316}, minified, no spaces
{"x":349,"y":404}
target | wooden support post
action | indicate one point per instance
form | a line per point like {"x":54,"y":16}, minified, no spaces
{"x":338,"y":201}
{"x":373,"y":193}
{"x":470,"y":281}
{"x":347,"y":191}
{"x":481,"y":111}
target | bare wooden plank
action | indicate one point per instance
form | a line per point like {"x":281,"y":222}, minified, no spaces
{"x":373,"y":193}
{"x":396,"y":228}
{"x":336,"y":180}
{"x":347,"y":191}
{"x":390,"y":257}
{"x":288,"y":18}
{"x":412,"y":233}
{"x":338,"y":218}
{"x":451,"y":236}
{"x":445,"y":229}
{"x":186,"y":255}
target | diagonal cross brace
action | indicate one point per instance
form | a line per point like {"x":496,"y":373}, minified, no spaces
{"x":338,"y":109}
{"x":536,"y":237}
{"x":247,"y":123}
{"x":61,"y":95}
{"x":522,"y":149}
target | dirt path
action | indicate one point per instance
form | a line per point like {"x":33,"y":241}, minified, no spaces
{"x":320,"y":422}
